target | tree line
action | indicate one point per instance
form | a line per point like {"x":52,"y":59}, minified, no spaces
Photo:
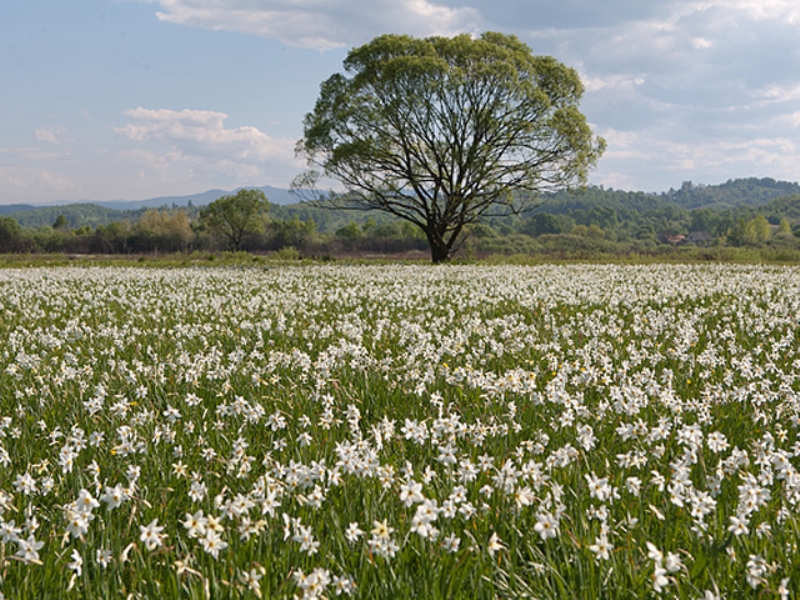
{"x":594,"y":219}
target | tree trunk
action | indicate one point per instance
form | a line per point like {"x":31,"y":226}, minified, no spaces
{"x":439,"y":255}
{"x":440,"y":250}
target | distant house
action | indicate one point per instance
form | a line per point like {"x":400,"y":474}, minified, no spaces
{"x":699,"y":238}
{"x":674,"y":239}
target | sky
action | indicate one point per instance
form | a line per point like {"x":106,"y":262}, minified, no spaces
{"x":132,"y":99}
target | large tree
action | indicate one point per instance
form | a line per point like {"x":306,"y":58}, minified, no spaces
{"x":440,"y":131}
{"x":233,"y":217}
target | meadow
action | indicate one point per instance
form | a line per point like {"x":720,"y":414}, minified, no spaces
{"x":391,"y":431}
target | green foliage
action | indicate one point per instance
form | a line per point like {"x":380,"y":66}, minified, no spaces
{"x":351,"y":231}
{"x":787,"y":207}
{"x":752,"y":232}
{"x":233,"y":217}
{"x":440,"y":131}
{"x":592,"y":231}
{"x":291,"y":233}
{"x":165,"y":230}
{"x":113,"y":238}
{"x":60,"y":222}
{"x":11,"y":236}
{"x":628,"y":221}
{"x":760,"y":228}
{"x":287,"y":253}
{"x":541,"y":224}
{"x":74,"y":214}
{"x":731,"y":194}
{"x":482,"y":230}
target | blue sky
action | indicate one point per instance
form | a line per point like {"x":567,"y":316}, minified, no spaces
{"x":130,"y":99}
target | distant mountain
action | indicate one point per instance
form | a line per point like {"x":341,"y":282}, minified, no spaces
{"x":274,"y":195}
{"x":94,"y":213}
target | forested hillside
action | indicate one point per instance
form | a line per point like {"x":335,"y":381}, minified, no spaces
{"x":75,"y":215}
{"x":731,"y":194}
{"x":744,"y":212}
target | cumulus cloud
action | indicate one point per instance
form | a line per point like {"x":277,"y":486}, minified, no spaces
{"x":43,"y":134}
{"x":784,"y":10}
{"x":711,"y":75}
{"x":198,"y":143}
{"x":686,"y":89}
{"x":619,"y":83}
{"x":681,"y":89}
{"x":781,"y":93}
{"x":321,"y":24}
{"x":636,"y":157}
{"x":792,"y":120}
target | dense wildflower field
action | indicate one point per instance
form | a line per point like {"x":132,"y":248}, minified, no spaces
{"x":400,"y":431}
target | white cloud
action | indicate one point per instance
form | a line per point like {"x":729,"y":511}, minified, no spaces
{"x":43,"y":134}
{"x":783,"y":10}
{"x":622,"y":82}
{"x":684,"y":89}
{"x":53,"y":181}
{"x":636,"y":157}
{"x":793,"y":120}
{"x":34,"y":180}
{"x":321,"y":24}
{"x":197,"y":144}
{"x":701,"y":43}
{"x":781,"y":93}
{"x":10,"y":179}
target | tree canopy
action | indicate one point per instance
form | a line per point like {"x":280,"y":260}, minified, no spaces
{"x":440,"y":131}
{"x":232,"y":217}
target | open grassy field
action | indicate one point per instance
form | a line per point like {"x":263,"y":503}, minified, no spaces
{"x":575,"y":431}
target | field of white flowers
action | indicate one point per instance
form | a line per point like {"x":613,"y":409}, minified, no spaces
{"x":400,"y":431}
